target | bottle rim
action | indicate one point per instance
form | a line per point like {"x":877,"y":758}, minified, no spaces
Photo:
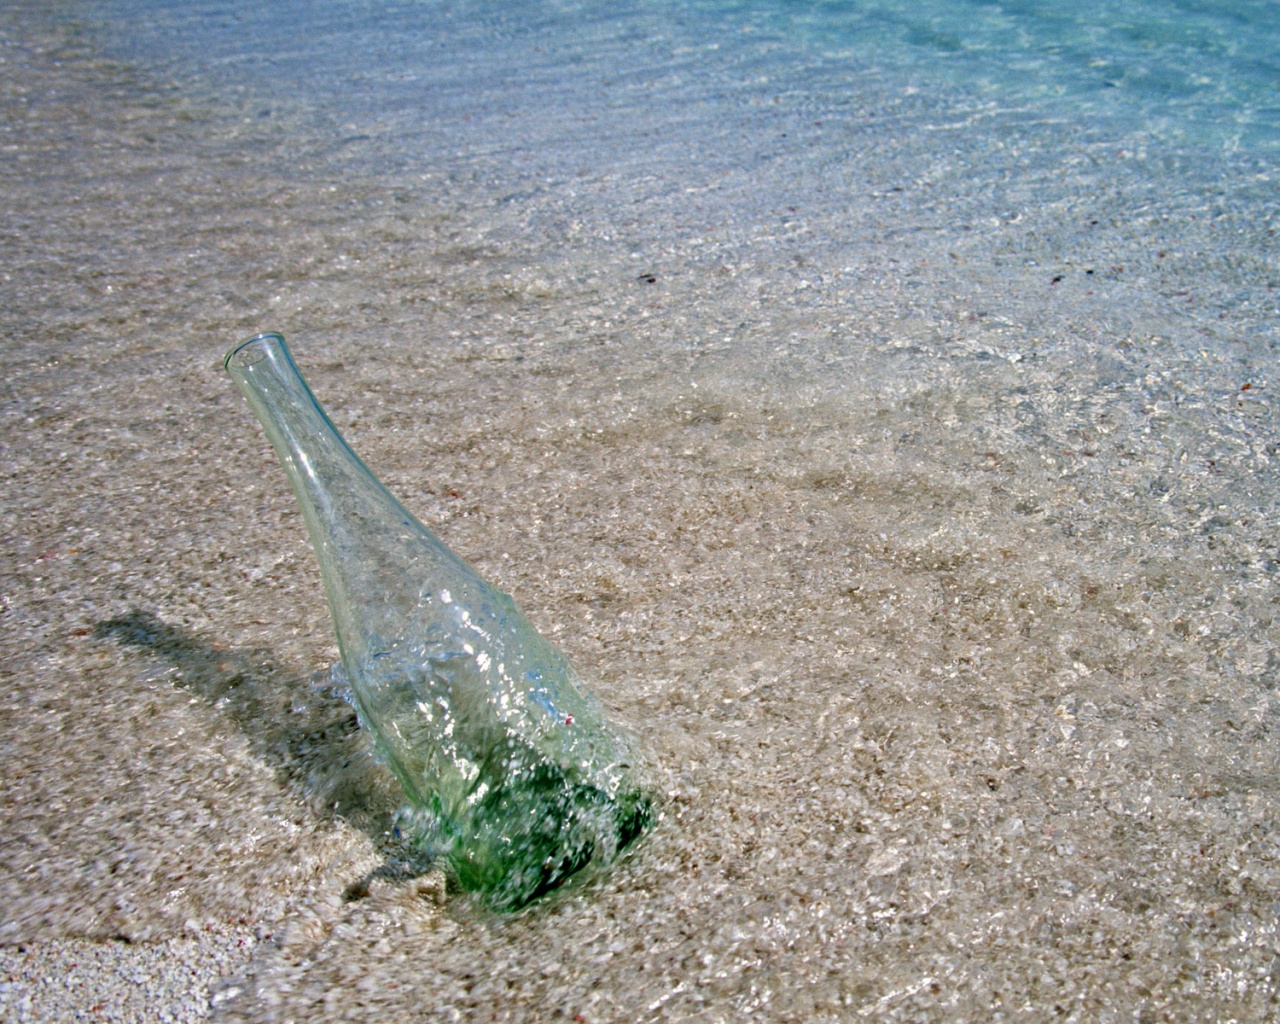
{"x":251,"y":350}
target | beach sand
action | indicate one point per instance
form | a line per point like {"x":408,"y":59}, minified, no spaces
{"x":939,"y":591}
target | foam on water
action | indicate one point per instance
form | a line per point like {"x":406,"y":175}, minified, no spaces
{"x":877,"y":405}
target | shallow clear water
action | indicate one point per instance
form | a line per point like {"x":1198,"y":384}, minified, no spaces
{"x":1204,"y":74}
{"x":875,"y":401}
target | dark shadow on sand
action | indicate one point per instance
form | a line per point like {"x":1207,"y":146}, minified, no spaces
{"x":304,"y":729}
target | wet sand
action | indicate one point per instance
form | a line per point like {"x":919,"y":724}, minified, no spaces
{"x":939,"y":589}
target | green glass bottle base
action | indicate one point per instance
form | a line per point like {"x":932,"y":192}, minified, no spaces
{"x":535,"y":832}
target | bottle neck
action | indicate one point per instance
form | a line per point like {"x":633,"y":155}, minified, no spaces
{"x":313,"y":453}
{"x":375,"y":557}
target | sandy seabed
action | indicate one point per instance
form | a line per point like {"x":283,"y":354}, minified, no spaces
{"x":939,"y":586}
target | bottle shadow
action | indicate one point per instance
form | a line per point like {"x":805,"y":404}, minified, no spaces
{"x":305,"y":730}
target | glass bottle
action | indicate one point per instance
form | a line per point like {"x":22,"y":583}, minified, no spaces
{"x":511,"y":770}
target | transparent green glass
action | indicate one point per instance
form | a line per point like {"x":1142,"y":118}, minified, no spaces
{"x":513,"y":773}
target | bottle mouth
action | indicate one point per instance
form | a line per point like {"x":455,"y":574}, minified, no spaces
{"x":252,"y":350}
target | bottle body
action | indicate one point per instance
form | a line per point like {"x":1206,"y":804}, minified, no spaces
{"x":511,"y":769}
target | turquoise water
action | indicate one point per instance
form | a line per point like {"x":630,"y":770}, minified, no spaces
{"x":1199,"y":74}
{"x":592,"y":137}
